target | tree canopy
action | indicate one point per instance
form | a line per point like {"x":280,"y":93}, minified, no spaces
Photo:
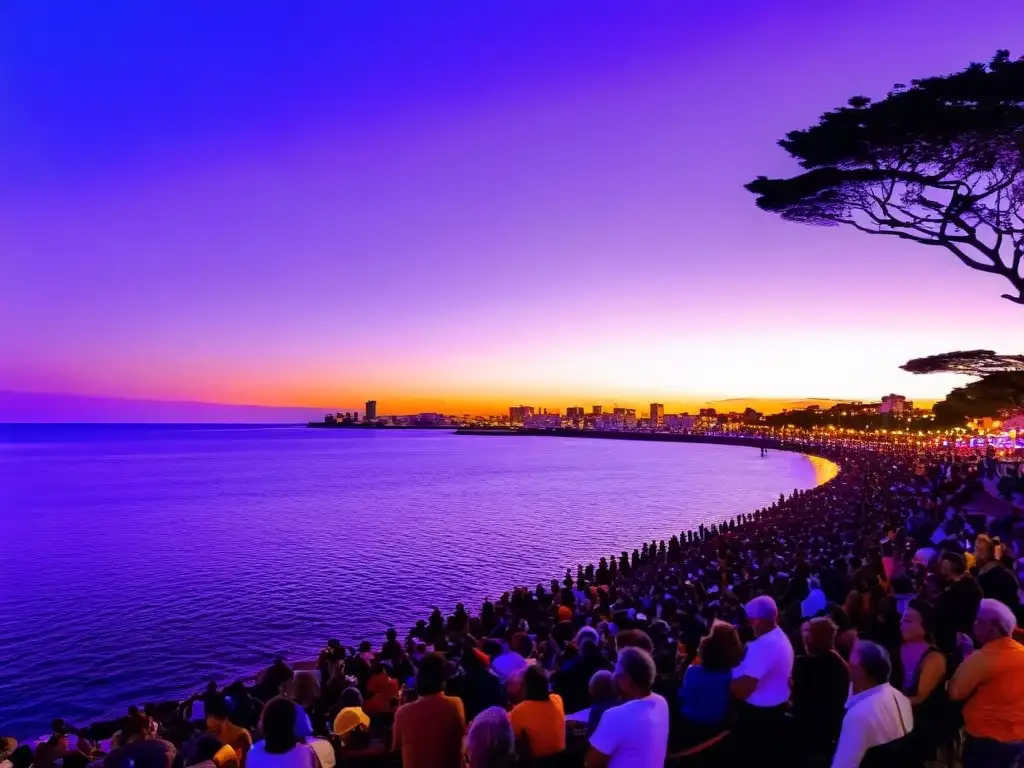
{"x":972,"y":362}
{"x":996,"y":395}
{"x":938,"y":162}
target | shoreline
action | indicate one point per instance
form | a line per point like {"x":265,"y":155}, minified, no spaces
{"x":107,"y":725}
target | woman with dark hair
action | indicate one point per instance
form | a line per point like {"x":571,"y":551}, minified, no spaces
{"x":921,"y":675}
{"x":704,"y":693}
{"x":281,"y":746}
{"x":539,"y":720}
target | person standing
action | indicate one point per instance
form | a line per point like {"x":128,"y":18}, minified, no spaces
{"x":635,"y":733}
{"x":990,"y":682}
{"x":877,"y":715}
{"x":761,"y":681}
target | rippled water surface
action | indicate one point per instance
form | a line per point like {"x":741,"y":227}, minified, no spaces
{"x":138,"y":561}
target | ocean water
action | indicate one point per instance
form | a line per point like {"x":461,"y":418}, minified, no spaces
{"x":140,"y":561}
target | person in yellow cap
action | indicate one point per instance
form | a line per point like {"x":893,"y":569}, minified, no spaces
{"x":351,"y":723}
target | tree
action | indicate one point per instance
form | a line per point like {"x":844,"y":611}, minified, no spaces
{"x":971,"y":362}
{"x":938,"y":163}
{"x":996,"y":395}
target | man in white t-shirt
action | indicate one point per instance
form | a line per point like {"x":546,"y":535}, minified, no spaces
{"x":761,"y":680}
{"x":635,"y":733}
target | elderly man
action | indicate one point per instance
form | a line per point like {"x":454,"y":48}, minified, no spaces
{"x":990,"y":682}
{"x":876,"y":713}
{"x":761,"y":681}
{"x":635,"y":733}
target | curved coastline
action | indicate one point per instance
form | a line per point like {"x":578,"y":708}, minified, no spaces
{"x":742,"y":441}
{"x":104,"y":728}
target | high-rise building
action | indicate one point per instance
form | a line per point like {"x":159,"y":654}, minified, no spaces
{"x":574,"y":413}
{"x":517,"y":413}
{"x":371,"y":410}
{"x":597,"y":410}
{"x":657,"y":414}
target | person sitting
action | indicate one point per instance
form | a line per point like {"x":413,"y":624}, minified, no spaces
{"x":821,"y":683}
{"x":513,"y":660}
{"x":382,"y":690}
{"x":538,"y":722}
{"x":990,"y":682}
{"x":281,"y":747}
{"x":139,"y":748}
{"x":429,"y":731}
{"x":633,"y":734}
{"x":491,"y":742}
{"x":572,"y":680}
{"x":876,"y":714}
{"x":477,"y":686}
{"x":218,"y":723}
{"x":205,"y":751}
{"x":704,"y":693}
{"x":603,"y":696}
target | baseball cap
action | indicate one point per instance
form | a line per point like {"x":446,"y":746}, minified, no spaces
{"x":349,"y":719}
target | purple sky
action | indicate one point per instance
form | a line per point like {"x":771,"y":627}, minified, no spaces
{"x":462,"y":203}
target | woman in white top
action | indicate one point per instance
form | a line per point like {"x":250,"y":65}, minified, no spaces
{"x":281,"y":747}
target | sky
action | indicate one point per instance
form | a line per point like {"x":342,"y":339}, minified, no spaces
{"x":459,"y":205}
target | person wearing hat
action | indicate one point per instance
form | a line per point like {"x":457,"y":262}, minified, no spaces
{"x":761,"y":681}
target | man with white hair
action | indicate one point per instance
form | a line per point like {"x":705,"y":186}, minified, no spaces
{"x":635,"y":733}
{"x":761,"y":681}
{"x":762,"y":678}
{"x":876,"y":713}
{"x":990,"y":682}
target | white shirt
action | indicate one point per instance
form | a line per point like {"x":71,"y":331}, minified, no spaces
{"x":507,"y":664}
{"x":325,"y":751}
{"x":769,"y":660}
{"x":634,"y":734}
{"x":872,"y":718}
{"x":299,"y":756}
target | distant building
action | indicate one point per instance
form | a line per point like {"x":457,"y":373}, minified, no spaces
{"x":517,"y":413}
{"x":624,"y":417}
{"x":597,"y":410}
{"x":430,"y":419}
{"x":895,"y":405}
{"x":543,"y":421}
{"x":657,"y":414}
{"x":680,"y":421}
{"x":371,"y":410}
{"x":574,"y":413}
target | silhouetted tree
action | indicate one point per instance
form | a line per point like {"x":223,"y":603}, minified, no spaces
{"x":938,"y":163}
{"x":971,"y":362}
{"x":995,"y":395}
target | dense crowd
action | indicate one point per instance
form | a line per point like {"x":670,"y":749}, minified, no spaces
{"x":870,"y":621}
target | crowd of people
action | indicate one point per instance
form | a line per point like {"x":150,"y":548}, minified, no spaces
{"x":871,"y":621}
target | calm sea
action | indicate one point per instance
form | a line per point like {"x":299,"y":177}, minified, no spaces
{"x":139,"y":561}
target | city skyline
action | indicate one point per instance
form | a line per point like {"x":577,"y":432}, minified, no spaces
{"x":459,"y":211}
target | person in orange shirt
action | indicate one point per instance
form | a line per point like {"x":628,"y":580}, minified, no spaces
{"x":990,"y":682}
{"x":429,"y":731}
{"x":383,"y":690}
{"x":539,"y":721}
